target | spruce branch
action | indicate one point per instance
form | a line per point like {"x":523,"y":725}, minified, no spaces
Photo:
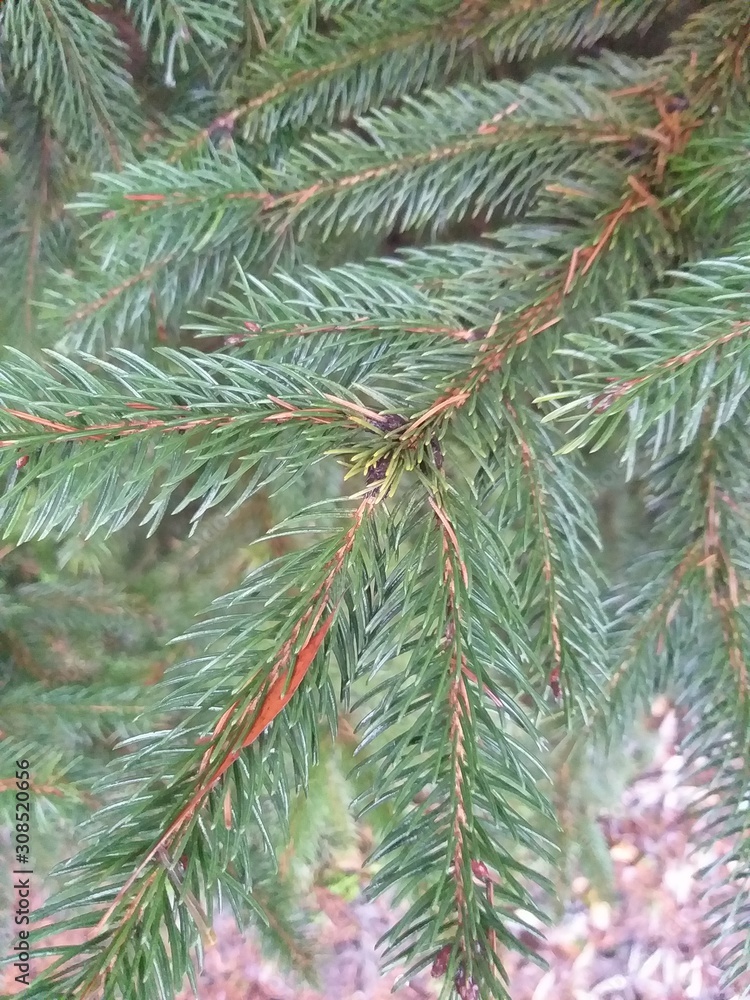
{"x":571,"y":252}
{"x":558,"y":528}
{"x":50,"y":47}
{"x":716,"y":757}
{"x":127,"y":412}
{"x":548,"y":311}
{"x":60,"y":789}
{"x":35,"y":230}
{"x":713,"y":50}
{"x":695,"y":330}
{"x":171,"y":880}
{"x":394,"y":172}
{"x":332,"y":79}
{"x":168,"y":24}
{"x":723,"y":586}
{"x":450,"y":845}
{"x":529,"y":322}
{"x":696,"y":463}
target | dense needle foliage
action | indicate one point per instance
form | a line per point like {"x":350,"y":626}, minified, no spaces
{"x":399,"y":291}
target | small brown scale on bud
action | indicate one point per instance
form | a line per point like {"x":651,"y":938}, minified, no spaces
{"x":602,"y":402}
{"x":676,"y":103}
{"x":466,"y":986}
{"x":440,"y":964}
{"x":554,"y":683}
{"x":377,"y":471}
{"x":636,"y":151}
{"x":240,"y":338}
{"x":480,"y":870}
{"x":23,"y":460}
{"x":389,"y":422}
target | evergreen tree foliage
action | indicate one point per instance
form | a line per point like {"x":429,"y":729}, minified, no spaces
{"x":394,"y":290}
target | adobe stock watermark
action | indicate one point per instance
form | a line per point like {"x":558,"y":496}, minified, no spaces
{"x":22,"y":872}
